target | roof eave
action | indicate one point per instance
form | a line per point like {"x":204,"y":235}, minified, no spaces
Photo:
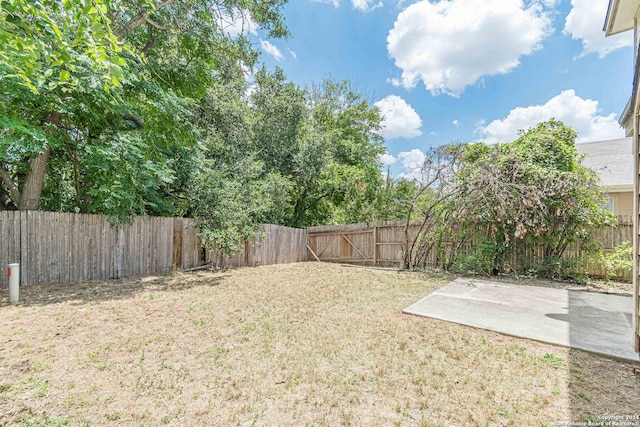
{"x":608,"y":21}
{"x":626,"y":113}
{"x":614,"y":23}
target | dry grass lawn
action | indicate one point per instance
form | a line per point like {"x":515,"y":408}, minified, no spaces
{"x":302,"y":344}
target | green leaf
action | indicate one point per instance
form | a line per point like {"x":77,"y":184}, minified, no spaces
{"x":118,"y":61}
{"x":116,"y":72}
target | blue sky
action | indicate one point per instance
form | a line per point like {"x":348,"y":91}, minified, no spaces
{"x":462,"y":70}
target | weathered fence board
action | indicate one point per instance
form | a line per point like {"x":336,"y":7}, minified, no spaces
{"x":280,"y":245}
{"x":62,"y":247}
{"x":382,"y":244}
{"x":273,"y":244}
{"x":9,"y":242}
{"x":192,"y":252}
{"x":54,"y":247}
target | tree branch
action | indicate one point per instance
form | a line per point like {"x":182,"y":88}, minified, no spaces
{"x":139,"y":19}
{"x":13,"y":188}
{"x":135,"y":120}
{"x":159,"y":26}
{"x":150,"y":41}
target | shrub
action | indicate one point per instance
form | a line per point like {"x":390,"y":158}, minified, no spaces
{"x":621,"y":258}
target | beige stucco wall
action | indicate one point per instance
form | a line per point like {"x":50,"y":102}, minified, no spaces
{"x":622,"y":203}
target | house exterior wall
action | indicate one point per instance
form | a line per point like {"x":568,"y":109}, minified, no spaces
{"x":622,"y":203}
{"x":636,"y":180}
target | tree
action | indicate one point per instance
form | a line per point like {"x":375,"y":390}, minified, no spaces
{"x":135,"y":107}
{"x":427,"y":218}
{"x":47,"y":47}
{"x":48,"y":43}
{"x":530,"y":193}
{"x":394,"y":199}
{"x":342,"y":137}
{"x":267,"y":159}
{"x":93,"y":69}
{"x":230,"y":189}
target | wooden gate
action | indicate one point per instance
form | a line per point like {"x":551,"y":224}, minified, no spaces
{"x":374,"y":244}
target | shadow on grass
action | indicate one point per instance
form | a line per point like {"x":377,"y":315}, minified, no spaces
{"x":601,"y":392}
{"x":106,"y":290}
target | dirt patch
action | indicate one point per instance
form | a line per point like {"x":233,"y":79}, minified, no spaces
{"x":307,"y":343}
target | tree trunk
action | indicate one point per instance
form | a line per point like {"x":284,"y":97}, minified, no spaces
{"x":32,"y":187}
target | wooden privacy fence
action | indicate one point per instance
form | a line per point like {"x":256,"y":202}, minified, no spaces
{"x":377,"y":244}
{"x":56,"y":247}
{"x":273,"y":244}
{"x":63,"y":247}
{"x":382,"y":244}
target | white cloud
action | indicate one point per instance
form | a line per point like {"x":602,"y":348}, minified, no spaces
{"x":412,"y":161}
{"x":387,"y":159}
{"x":238,"y":22}
{"x":581,"y":114}
{"x":293,"y":54}
{"x":394,"y":82}
{"x":450,"y":45}
{"x":456,"y":123}
{"x":365,"y":5}
{"x":585,"y":21}
{"x":335,"y":3}
{"x":400,"y":119}
{"x":248,"y":73}
{"x":249,"y":77}
{"x":271,"y":50}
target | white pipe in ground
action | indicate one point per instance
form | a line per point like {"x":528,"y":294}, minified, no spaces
{"x":14,"y":283}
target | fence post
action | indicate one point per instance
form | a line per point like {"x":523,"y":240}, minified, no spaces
{"x":178,"y":228}
{"x":375,"y":246}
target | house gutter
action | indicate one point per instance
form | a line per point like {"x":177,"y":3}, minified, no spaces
{"x":618,"y":188}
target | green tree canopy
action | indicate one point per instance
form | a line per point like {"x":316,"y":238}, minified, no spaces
{"x":268,"y":159}
{"x":106,"y":91}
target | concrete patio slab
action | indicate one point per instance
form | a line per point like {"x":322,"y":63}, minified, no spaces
{"x":598,"y":323}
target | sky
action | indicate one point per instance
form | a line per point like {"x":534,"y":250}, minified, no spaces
{"x":461,"y":70}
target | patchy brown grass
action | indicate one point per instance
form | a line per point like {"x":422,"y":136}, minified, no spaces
{"x":302,"y":344}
